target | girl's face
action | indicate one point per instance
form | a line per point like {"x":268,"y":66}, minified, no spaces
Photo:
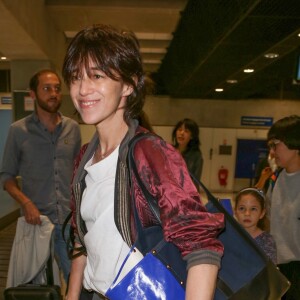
{"x":183,"y":136}
{"x":99,"y":99}
{"x":248,"y":211}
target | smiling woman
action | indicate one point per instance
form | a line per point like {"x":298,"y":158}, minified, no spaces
{"x":103,"y":70}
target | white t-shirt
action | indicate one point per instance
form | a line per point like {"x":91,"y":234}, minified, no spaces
{"x":285,"y":214}
{"x":106,"y":250}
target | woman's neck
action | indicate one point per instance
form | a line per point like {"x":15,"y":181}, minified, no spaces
{"x":109,"y":139}
{"x":181,"y":148}
{"x":254,"y":231}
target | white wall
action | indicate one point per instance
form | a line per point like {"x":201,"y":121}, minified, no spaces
{"x":211,"y":139}
{"x":218,"y":120}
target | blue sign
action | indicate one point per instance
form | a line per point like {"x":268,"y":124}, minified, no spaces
{"x":6,"y":100}
{"x":256,"y":121}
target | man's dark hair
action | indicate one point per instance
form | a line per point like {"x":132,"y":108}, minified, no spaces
{"x":287,"y":130}
{"x":34,"y":80}
{"x":116,"y":53}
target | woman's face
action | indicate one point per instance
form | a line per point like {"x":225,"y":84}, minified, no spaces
{"x":284,"y":157}
{"x":249,"y":211}
{"x":98,"y":98}
{"x":183,"y":136}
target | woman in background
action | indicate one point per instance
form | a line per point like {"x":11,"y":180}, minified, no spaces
{"x":185,"y":138}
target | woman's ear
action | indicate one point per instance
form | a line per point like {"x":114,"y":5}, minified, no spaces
{"x":127,"y":90}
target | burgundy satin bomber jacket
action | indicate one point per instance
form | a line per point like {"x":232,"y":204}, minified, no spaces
{"x":184,"y":217}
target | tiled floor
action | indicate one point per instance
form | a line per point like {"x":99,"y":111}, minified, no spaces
{"x":6,"y":237}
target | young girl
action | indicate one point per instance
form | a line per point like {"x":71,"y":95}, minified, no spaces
{"x":250,"y":212}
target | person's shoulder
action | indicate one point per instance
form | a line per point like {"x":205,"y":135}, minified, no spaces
{"x":21,"y":124}
{"x":70,"y":121}
{"x":266,"y":236}
{"x":148,"y":139}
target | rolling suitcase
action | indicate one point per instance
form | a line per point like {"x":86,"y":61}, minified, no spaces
{"x":31,"y":291}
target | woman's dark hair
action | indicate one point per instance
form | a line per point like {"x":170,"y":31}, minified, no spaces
{"x":192,"y":126}
{"x":34,"y":80}
{"x":144,"y":121}
{"x":287,"y":130}
{"x":259,"y":195}
{"x":116,"y":53}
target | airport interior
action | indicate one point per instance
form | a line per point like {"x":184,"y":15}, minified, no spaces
{"x":231,"y":66}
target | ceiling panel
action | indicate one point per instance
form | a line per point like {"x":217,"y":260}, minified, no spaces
{"x":189,"y":48}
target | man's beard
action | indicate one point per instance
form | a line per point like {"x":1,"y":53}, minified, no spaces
{"x":48,"y":108}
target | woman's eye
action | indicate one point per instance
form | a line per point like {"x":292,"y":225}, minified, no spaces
{"x":98,"y":76}
{"x":74,"y":78}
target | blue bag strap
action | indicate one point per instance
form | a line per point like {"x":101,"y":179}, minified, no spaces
{"x":152,"y":238}
{"x":131,"y":163}
{"x":151,"y":200}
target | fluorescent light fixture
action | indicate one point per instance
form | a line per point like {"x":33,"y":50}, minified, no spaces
{"x":159,"y":36}
{"x":154,"y":36}
{"x":154,"y":50}
{"x":231,"y":81}
{"x":271,"y":55}
{"x":219,"y":90}
{"x":152,"y":61}
{"x":248,"y":70}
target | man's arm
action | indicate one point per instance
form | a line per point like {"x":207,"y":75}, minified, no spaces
{"x":31,"y":213}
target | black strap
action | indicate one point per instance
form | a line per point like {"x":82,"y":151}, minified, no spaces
{"x":70,"y":240}
{"x":153,"y":204}
{"x":49,"y":270}
{"x":132,"y":165}
{"x":150,"y":199}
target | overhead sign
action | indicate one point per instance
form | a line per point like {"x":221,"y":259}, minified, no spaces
{"x":256,"y":121}
{"x":6,"y":100}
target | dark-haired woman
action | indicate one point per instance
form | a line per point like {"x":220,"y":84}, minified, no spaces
{"x":284,"y":145}
{"x":185,"y":138}
{"x":103,"y":69}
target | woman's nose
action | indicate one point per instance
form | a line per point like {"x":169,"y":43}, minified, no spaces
{"x":85,"y":86}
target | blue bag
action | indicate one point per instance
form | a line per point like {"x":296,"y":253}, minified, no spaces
{"x":246,"y":273}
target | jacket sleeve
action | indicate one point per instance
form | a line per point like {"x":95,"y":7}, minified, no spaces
{"x":184,"y":218}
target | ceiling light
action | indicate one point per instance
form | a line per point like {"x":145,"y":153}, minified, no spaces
{"x":231,"y":81}
{"x":3,"y":57}
{"x":299,"y":34}
{"x":248,"y":70}
{"x":271,"y":55}
{"x":219,"y":90}
{"x":152,"y":61}
{"x":154,"y":50}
